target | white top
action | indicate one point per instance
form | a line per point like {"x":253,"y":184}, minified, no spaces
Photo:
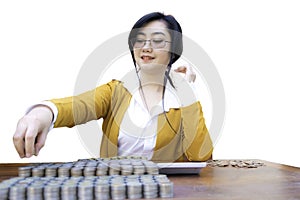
{"x":138,"y":128}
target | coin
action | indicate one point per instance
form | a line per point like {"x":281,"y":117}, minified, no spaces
{"x":150,"y":189}
{"x":101,"y":189}
{"x":17,"y":192}
{"x":118,"y":190}
{"x":131,"y":177}
{"x":134,"y":190}
{"x":76,"y":171}
{"x":4,"y":189}
{"x":89,"y":171}
{"x":101,"y":170}
{"x":69,"y":191}
{"x":25,"y":171}
{"x":166,"y":189}
{"x":51,"y":171}
{"x":38,"y":171}
{"x":64,"y":170}
{"x":86,"y":190}
{"x":52,"y":191}
{"x":35,"y":191}
{"x":126,"y":169}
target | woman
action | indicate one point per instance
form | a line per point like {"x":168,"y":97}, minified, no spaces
{"x":148,"y":115}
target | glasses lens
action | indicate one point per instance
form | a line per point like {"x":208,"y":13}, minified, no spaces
{"x":138,"y":43}
{"x":155,"y":43}
{"x":158,"y":43}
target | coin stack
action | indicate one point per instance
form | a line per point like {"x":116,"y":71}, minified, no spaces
{"x":86,"y":190}
{"x":69,"y":190}
{"x":4,"y":188}
{"x":151,"y":167}
{"x":150,"y":189}
{"x":91,"y":187}
{"x":77,"y":171}
{"x":91,"y":167}
{"x":6,"y":185}
{"x":118,"y":190}
{"x":126,"y":169}
{"x":38,"y":171}
{"x":101,"y":189}
{"x":52,"y":191}
{"x":166,"y":189}
{"x":109,"y":178}
{"x":134,"y":190}
{"x":64,"y":170}
{"x":114,"y":168}
{"x":139,"y":169}
{"x":17,"y":192}
{"x":101,"y":170}
{"x":35,"y":191}
{"x":25,"y":171}
{"x":51,"y":171}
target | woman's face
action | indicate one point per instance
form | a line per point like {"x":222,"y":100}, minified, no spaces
{"x":152,"y":47}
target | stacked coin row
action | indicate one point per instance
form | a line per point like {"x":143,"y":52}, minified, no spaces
{"x":92,"y":187}
{"x":91,"y":167}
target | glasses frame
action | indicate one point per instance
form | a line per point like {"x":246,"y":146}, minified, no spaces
{"x":133,"y":41}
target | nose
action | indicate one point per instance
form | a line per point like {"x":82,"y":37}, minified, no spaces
{"x":147,"y":46}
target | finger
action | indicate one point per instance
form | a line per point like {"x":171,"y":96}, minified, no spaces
{"x":181,"y":69}
{"x":40,"y":142}
{"x":190,"y":74}
{"x":30,"y":137}
{"x":18,"y":139}
{"x":191,"y":77}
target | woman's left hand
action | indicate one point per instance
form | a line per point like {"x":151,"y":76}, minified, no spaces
{"x":190,"y":75}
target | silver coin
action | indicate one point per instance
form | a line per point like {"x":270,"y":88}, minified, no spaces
{"x":118,"y":190}
{"x":134,"y":190}
{"x":166,"y":190}
{"x":38,"y":171}
{"x":18,"y":192}
{"x":51,"y":171}
{"x":86,"y":190}
{"x":4,"y":189}
{"x":77,"y":171}
{"x":69,"y":191}
{"x":150,"y":189}
{"x":126,"y":169}
{"x":102,"y":169}
{"x":25,"y":171}
{"x":89,"y":171}
{"x":35,"y":191}
{"x":102,"y":189}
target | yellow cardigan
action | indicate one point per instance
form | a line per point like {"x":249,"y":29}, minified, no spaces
{"x":110,"y":101}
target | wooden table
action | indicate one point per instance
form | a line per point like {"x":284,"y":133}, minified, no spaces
{"x":272,"y":181}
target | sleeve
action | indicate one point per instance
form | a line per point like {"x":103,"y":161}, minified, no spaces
{"x":197,"y":143}
{"x":50,"y":105}
{"x":85,"y":107}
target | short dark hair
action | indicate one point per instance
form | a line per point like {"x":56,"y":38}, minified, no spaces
{"x":172,"y":25}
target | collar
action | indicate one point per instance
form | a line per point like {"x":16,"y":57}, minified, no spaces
{"x":183,"y":94}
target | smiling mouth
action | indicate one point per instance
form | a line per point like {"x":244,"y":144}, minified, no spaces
{"x":147,"y":58}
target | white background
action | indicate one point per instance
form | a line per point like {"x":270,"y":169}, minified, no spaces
{"x":255,"y":46}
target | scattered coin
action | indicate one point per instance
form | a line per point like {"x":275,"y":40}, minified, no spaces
{"x":235,"y":163}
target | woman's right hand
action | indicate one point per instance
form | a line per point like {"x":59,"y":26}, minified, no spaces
{"x":31,"y":132}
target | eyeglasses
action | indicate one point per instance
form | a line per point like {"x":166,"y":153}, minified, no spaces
{"x":155,"y":43}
